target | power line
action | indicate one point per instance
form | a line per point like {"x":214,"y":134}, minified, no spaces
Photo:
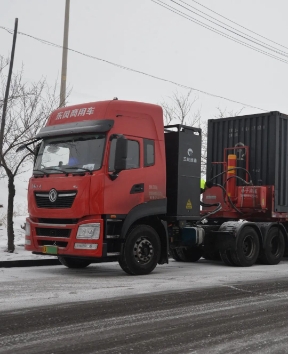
{"x":178,"y":12}
{"x":238,"y":24}
{"x":130,"y":69}
{"x":248,"y":39}
{"x":271,"y":48}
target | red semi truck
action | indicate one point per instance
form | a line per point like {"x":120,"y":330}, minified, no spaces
{"x":111,"y":183}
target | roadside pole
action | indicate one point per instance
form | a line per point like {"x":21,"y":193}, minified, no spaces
{"x":64,"y":56}
{"x":7,"y":89}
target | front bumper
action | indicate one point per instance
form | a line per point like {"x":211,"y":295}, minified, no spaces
{"x":60,"y":239}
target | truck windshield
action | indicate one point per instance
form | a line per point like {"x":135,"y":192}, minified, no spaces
{"x":83,"y":152}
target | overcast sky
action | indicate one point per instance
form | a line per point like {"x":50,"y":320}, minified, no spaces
{"x":144,"y":36}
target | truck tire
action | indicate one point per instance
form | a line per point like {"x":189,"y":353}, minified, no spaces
{"x":175,"y":255}
{"x":211,"y":255}
{"x":141,"y":251}
{"x":190,"y":254}
{"x":273,"y":250}
{"x":226,"y":257}
{"x":248,"y":247}
{"x":73,"y":262}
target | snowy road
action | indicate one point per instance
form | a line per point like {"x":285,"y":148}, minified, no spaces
{"x":180,"y":308}
{"x":40,"y":286}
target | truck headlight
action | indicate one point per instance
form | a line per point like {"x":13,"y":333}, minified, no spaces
{"x":88,"y":231}
{"x":27,"y":229}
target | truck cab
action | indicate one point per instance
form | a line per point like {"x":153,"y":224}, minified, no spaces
{"x":99,"y":173}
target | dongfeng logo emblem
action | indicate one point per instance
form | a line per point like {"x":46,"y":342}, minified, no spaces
{"x":52,"y":195}
{"x":190,"y":152}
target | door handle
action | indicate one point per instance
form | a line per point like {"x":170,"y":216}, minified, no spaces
{"x":137,"y":188}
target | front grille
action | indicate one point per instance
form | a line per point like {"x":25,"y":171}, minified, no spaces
{"x":40,"y":231}
{"x":57,"y":221}
{"x":65,"y":199}
{"x":52,"y":243}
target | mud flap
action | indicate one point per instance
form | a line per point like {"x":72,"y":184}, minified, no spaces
{"x":164,"y":257}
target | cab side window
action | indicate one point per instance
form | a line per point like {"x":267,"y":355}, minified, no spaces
{"x":149,"y":153}
{"x":132,"y":160}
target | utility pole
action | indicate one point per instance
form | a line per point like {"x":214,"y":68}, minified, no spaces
{"x":7,"y":89}
{"x":64,"y":56}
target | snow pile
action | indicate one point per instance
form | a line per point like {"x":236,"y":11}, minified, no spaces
{"x":20,"y":253}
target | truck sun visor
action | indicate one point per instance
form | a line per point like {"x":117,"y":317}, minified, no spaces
{"x":88,"y":126}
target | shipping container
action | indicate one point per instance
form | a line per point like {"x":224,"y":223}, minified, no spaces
{"x":266,"y":136}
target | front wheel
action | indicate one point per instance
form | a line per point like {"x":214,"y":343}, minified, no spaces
{"x":73,"y":262}
{"x":141,"y":251}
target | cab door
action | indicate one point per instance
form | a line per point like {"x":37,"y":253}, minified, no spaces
{"x":127,"y":190}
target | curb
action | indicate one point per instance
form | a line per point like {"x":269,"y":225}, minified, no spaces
{"x":29,"y":263}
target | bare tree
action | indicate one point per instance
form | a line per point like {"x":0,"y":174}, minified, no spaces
{"x":225,"y":113}
{"x":29,"y":105}
{"x":179,"y":110}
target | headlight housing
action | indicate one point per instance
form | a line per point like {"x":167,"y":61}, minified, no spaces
{"x":88,"y":231}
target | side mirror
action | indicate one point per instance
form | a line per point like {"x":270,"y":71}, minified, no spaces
{"x":35,"y":151}
{"x":120,"y":154}
{"x":22,"y":147}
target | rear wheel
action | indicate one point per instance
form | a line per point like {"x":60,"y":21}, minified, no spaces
{"x":190,"y":254}
{"x":227,"y":258}
{"x":175,"y":255}
{"x":73,"y":262}
{"x":273,"y":250}
{"x":248,"y":247}
{"x":141,"y":251}
{"x":211,"y":255}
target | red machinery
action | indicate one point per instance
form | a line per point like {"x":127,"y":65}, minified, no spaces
{"x":239,"y":198}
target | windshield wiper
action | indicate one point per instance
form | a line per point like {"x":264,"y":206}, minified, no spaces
{"x":84,"y":169}
{"x":56,"y":169}
{"x":42,"y":171}
{"x":50,"y":169}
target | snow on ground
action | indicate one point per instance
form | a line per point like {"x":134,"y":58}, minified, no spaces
{"x":20,"y":210}
{"x":20,"y":253}
{"x":28,"y":287}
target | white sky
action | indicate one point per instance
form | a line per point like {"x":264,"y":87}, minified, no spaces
{"x":144,"y":36}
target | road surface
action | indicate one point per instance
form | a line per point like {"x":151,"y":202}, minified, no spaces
{"x":204,"y":308}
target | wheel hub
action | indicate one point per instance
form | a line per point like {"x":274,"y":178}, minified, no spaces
{"x":248,"y":246}
{"x":143,"y":250}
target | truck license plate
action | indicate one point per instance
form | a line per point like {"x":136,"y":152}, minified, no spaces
{"x":52,"y":250}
